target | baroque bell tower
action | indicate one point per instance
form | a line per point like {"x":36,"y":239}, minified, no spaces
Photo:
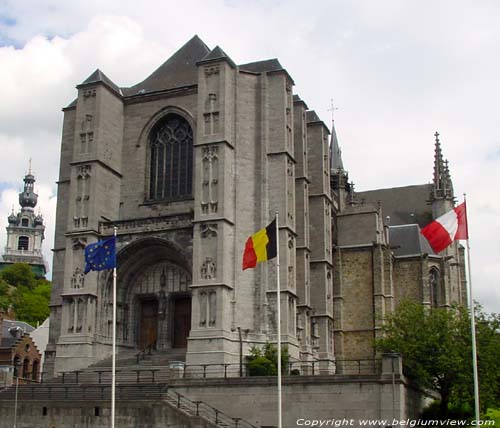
{"x":25,"y":232}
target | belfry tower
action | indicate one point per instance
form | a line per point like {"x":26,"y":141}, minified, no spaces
{"x":25,"y":232}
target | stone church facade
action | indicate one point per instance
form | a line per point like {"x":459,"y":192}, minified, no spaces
{"x":186,"y":165}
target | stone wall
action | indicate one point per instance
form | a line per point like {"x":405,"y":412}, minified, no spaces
{"x":96,"y":414}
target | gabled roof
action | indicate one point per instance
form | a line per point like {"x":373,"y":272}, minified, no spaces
{"x":98,"y":76}
{"x":217,"y":54}
{"x":262,"y":66}
{"x":404,"y":205}
{"x":178,"y":71}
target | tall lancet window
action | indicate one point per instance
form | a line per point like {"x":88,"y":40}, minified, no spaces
{"x":435,"y":288}
{"x":171,"y":167}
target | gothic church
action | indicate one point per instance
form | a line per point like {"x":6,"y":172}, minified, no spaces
{"x":186,"y":165}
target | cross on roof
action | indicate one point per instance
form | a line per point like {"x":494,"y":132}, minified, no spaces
{"x":332,"y":108}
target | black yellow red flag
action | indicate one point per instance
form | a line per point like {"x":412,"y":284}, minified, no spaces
{"x":261,"y":246}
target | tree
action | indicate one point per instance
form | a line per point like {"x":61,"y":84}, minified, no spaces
{"x":19,"y":274}
{"x":436,"y":348}
{"x":264,"y":362}
{"x":32,"y":306}
{"x":27,"y":295}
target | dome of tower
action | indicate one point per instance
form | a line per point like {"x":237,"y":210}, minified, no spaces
{"x":12,"y":218}
{"x":28,"y":199}
{"x":39,"y":220}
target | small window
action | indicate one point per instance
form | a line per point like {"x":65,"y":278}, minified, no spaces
{"x":25,"y":222}
{"x":97,"y":411}
{"x":44,"y":411}
{"x":23,"y":243}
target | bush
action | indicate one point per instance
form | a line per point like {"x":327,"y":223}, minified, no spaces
{"x":264,"y":362}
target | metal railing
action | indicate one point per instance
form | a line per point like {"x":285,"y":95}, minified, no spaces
{"x":204,"y":410}
{"x":141,"y":355}
{"x":294,"y":368}
{"x":176,"y":370}
{"x":128,"y":392}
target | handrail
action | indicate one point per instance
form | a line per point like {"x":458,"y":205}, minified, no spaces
{"x":163,"y":373}
{"x":142,"y":352}
{"x":206,"y":411}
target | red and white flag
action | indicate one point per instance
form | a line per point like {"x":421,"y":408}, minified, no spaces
{"x":447,"y":228}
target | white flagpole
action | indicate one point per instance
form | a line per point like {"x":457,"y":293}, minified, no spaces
{"x":113,"y":352}
{"x":473,"y":326}
{"x":278,"y":310}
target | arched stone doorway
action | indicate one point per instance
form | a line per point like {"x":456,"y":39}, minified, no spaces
{"x":154,"y":299}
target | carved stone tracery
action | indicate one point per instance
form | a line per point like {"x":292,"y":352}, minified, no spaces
{"x":209,"y":202}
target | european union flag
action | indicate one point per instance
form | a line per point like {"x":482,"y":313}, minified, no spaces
{"x":101,"y":255}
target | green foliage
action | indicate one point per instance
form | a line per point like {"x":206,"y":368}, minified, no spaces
{"x":28,"y":296}
{"x":493,"y":415}
{"x":264,"y":362}
{"x":437,"y":354}
{"x":32,"y":306}
{"x":19,"y":274}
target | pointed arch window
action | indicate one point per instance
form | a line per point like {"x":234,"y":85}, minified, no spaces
{"x":171,"y":162}
{"x":435,"y":288}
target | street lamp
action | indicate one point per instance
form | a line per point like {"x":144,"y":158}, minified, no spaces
{"x":17,"y":365}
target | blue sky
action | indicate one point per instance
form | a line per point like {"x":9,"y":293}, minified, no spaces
{"x":398,"y":71}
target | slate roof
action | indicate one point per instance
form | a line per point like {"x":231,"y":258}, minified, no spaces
{"x":178,"y":71}
{"x":99,"y":76}
{"x":404,"y":205}
{"x":406,"y":240}
{"x":216,"y":54}
{"x":262,"y":66}
{"x":7,"y":324}
{"x":336,"y":163}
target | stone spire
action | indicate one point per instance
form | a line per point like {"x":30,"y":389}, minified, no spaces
{"x":336,"y":163}
{"x":339,"y":178}
{"x":442,"y":184}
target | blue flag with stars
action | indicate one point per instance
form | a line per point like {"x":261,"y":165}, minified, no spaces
{"x":100,"y":255}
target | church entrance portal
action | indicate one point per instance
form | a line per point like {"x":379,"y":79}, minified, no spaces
{"x":182,"y":321}
{"x":149,"y":323}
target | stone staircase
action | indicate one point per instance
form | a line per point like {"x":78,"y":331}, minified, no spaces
{"x":137,"y":379}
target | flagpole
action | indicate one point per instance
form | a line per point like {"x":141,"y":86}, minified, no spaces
{"x":113,"y":351}
{"x":278,"y":313}
{"x":473,"y":327}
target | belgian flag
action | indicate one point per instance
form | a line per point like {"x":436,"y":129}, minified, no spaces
{"x":261,"y":246}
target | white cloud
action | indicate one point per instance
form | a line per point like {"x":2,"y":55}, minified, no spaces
{"x":398,"y":71}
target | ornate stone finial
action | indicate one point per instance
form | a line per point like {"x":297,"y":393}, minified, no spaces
{"x":437,"y":137}
{"x":29,"y":170}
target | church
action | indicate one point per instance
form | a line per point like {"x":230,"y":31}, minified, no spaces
{"x":186,"y":165}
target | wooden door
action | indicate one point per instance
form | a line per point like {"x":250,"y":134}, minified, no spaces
{"x":149,"y":324}
{"x":182,"y":321}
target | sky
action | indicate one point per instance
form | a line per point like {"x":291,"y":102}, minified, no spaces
{"x":397,"y":71}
